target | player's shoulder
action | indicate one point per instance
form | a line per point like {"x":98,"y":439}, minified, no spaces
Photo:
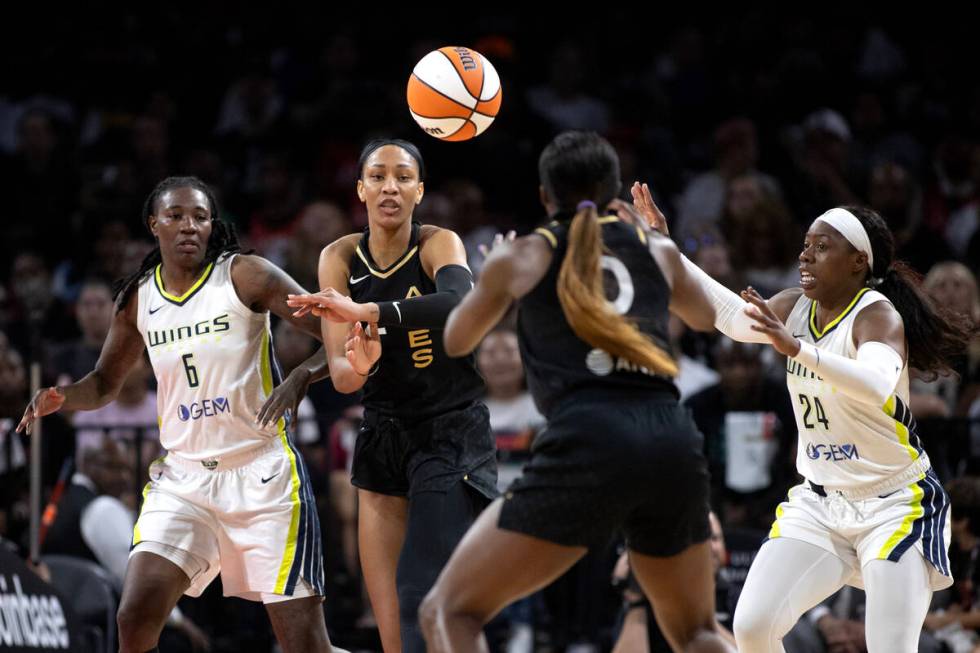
{"x":343,"y":248}
{"x":432,"y":233}
{"x":782,"y":303}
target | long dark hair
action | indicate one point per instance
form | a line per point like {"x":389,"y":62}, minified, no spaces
{"x":935,"y":334}
{"x":223,"y":239}
{"x":578,"y":166}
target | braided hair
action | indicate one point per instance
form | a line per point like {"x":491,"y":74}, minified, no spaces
{"x":223,"y":239}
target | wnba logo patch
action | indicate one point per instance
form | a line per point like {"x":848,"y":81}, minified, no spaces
{"x":204,"y":408}
{"x":834,"y":452}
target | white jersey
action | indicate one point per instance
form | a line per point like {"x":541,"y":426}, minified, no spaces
{"x":845,"y":443}
{"x":214,"y":365}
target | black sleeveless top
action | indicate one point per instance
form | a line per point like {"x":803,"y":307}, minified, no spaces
{"x":415,"y":379}
{"x":558,"y":362}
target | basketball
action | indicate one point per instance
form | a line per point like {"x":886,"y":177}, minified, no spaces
{"x":454,"y":93}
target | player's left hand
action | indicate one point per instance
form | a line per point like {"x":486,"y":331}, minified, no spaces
{"x":766,"y":322}
{"x":285,"y":396}
{"x":498,"y":240}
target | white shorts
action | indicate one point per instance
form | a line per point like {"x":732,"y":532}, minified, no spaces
{"x":879,"y":528}
{"x":252,"y":517}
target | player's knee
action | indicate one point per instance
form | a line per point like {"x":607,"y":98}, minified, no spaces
{"x":429,"y":613}
{"x":753,"y":627}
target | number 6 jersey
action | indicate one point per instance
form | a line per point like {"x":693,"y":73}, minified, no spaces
{"x":213,"y":361}
{"x":845,"y":443}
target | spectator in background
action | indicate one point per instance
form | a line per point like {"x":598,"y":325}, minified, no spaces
{"x":821,"y":179}
{"x":749,"y":433}
{"x":896,"y":196}
{"x":736,"y":155}
{"x":514,"y":419}
{"x":563,"y":101}
{"x":92,"y":523}
{"x":963,"y":224}
{"x":13,"y":455}
{"x":93,"y":311}
{"x":952,"y":285}
{"x":272,"y":224}
{"x":32,"y":307}
{"x":693,"y":376}
{"x":42,"y":185}
{"x":763,"y":245}
{"x":319,"y":224}
{"x":130,"y":419}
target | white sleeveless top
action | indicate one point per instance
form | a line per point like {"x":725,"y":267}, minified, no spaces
{"x":845,"y":443}
{"x":212,"y":357}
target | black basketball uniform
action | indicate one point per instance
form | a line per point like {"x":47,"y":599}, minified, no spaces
{"x":425,"y":435}
{"x":618,"y":451}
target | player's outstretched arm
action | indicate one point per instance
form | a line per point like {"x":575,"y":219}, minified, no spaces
{"x":123,"y":346}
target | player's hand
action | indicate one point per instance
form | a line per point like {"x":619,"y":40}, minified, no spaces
{"x":498,"y":240}
{"x":643,"y":201}
{"x":311,"y":303}
{"x":337,"y":307}
{"x":285,"y":396}
{"x":766,"y":322}
{"x":363,"y":347}
{"x":45,"y":402}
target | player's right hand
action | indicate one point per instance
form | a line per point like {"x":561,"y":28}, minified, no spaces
{"x":363,"y":347}
{"x":45,"y":402}
{"x":643,"y":201}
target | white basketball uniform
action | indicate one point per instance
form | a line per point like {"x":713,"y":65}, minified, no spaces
{"x":234,"y":496}
{"x":869,"y":491}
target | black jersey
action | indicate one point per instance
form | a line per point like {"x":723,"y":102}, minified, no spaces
{"x":558,"y":361}
{"x":415,"y":378}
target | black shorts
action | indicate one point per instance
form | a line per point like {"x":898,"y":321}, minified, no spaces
{"x":396,"y":457}
{"x":608,"y":463}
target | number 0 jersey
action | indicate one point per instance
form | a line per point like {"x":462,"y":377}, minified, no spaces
{"x":845,"y":443}
{"x":212,"y":357}
{"x":558,"y":362}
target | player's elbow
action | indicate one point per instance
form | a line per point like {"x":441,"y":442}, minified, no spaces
{"x":454,"y":345}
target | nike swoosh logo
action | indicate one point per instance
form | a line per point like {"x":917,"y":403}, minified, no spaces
{"x":266,"y":480}
{"x":154,"y":310}
{"x":359,"y":279}
{"x":799,"y":335}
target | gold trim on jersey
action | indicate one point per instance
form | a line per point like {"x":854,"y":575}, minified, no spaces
{"x":390,"y":271}
{"x":607,"y":219}
{"x":173,"y":299}
{"x":817,"y":333}
{"x":550,"y":237}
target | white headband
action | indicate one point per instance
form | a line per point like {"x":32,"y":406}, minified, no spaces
{"x":851,"y":229}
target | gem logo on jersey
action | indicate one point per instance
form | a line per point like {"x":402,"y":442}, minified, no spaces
{"x":204,"y":408}
{"x":832,"y":452}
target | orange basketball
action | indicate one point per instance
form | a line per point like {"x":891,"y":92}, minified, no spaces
{"x":454,"y":93}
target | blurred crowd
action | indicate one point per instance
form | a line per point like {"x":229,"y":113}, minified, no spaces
{"x":746,"y":128}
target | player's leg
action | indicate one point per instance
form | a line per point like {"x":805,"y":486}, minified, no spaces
{"x":437,"y":521}
{"x":299,"y":626}
{"x":151,"y":589}
{"x":380,"y":534}
{"x":682,"y":590}
{"x":787,"y":578}
{"x":898,"y":596}
{"x":490,"y":568}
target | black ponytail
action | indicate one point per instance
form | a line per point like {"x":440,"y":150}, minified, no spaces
{"x":223,"y":239}
{"x":936,"y":336}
